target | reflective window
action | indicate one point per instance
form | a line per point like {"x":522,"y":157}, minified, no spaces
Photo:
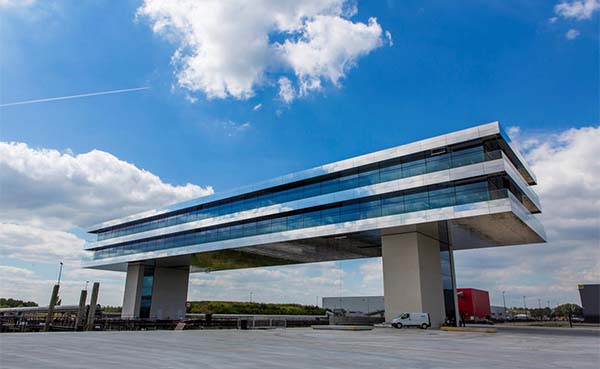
{"x":430,"y":197}
{"x":398,"y":168}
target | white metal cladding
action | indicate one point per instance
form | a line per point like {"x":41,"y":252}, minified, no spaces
{"x":474,"y":170}
{"x":468,"y":134}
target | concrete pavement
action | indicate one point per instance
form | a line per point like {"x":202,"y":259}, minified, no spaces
{"x":297,"y":348}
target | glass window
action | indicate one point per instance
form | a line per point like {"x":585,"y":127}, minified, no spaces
{"x":467,"y":156}
{"x":413,"y":168}
{"x":439,"y":162}
{"x":294,"y":221}
{"x":330,"y":216}
{"x":391,"y":173}
{"x":348,"y":182}
{"x":392,"y":205}
{"x":312,"y":190}
{"x":416,"y":201}
{"x":368,"y":178}
{"x":329,"y":186}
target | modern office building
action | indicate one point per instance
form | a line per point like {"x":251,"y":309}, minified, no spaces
{"x":412,"y":205}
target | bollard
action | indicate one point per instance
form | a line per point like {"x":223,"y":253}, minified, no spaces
{"x":79,"y":321}
{"x":53,"y":300}
{"x":92,"y":310}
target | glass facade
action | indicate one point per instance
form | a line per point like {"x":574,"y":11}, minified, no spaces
{"x":404,"y":167}
{"x":147,"y":286}
{"x":424,"y":198}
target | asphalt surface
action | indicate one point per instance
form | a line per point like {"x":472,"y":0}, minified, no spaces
{"x":298,"y":348}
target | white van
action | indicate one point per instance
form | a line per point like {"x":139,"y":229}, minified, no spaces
{"x":412,"y":319}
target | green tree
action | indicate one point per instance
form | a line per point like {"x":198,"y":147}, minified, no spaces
{"x":11,"y":303}
{"x":236,"y":307}
{"x":563,"y":310}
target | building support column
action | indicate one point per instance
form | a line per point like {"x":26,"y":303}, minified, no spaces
{"x":412,"y":276}
{"x":155,"y":291}
{"x":169,"y":292}
{"x":133,"y":291}
{"x":454,"y":295}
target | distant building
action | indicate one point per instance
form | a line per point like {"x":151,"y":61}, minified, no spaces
{"x":590,"y":301}
{"x":498,"y":312}
{"x":355,"y":305}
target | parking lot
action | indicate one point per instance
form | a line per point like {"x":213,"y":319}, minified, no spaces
{"x":299,"y":348}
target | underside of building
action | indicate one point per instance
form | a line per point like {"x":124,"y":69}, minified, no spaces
{"x":412,"y":205}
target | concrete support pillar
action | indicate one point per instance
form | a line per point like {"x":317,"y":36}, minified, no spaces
{"x":412,"y":277}
{"x":169,"y":292}
{"x":53,"y":301}
{"x":165,"y":291}
{"x":92,"y":310}
{"x":133,"y":291}
{"x":81,"y":311}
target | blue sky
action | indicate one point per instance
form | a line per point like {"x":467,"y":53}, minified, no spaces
{"x":445,"y":67}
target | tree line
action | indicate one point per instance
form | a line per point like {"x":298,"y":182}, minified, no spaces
{"x":12,"y":303}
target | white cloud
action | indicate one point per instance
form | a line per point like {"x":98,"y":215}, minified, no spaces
{"x":577,"y":9}
{"x":286,"y":90}
{"x":24,"y":284}
{"x":329,"y":46}
{"x":227,"y":49}
{"x":28,"y":243}
{"x":257,"y":107}
{"x":48,"y":188}
{"x":572,"y":34}
{"x":45,"y":193}
{"x":6,"y":271}
{"x":16,"y":3}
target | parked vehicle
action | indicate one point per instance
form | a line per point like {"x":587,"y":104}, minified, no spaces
{"x":412,"y":320}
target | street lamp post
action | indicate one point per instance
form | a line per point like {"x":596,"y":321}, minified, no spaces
{"x":60,"y":272}
{"x":504,"y":301}
{"x":250,"y":296}
{"x":524,"y":305}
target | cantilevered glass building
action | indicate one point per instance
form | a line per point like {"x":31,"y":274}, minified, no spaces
{"x":412,"y":205}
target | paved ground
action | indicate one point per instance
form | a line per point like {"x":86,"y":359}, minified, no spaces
{"x":562,"y":331}
{"x":298,"y":348}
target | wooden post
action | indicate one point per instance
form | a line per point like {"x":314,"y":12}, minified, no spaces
{"x":50,"y":315}
{"x":92,"y":310}
{"x":79,"y":321}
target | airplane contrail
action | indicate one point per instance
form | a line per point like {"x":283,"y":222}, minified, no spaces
{"x":74,"y":96}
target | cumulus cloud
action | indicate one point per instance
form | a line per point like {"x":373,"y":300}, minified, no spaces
{"x":577,"y":9}
{"x":227,"y":49}
{"x":286,"y":90}
{"x":22,"y":283}
{"x":44,"y":187}
{"x":572,"y":34}
{"x":329,"y":46}
{"x":29,"y":243}
{"x":46,"y":193}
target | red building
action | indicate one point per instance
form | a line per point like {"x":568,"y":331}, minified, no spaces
{"x":473,"y":304}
